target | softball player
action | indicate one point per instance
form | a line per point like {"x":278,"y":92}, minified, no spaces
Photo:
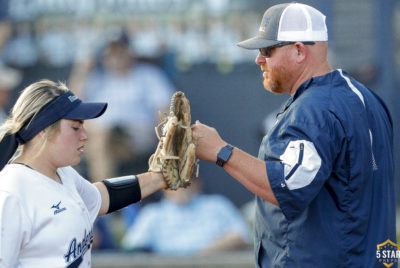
{"x":324,"y":177}
{"x":47,"y":209}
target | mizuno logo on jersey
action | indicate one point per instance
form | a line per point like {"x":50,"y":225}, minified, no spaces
{"x":57,"y":208}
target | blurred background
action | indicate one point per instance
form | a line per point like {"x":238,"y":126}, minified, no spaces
{"x":192,"y":43}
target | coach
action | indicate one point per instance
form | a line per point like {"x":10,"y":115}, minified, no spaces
{"x":323,"y":179}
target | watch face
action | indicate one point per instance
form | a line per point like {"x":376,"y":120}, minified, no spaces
{"x":224,"y":154}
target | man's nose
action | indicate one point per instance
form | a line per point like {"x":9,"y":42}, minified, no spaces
{"x":260,"y":60}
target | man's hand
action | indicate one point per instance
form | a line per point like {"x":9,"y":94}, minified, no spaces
{"x":208,"y":142}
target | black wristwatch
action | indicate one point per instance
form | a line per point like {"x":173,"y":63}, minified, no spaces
{"x":224,"y":154}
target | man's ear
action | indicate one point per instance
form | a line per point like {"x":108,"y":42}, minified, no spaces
{"x":301,"y":52}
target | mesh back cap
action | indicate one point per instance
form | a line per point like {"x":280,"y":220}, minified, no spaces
{"x":288,"y":22}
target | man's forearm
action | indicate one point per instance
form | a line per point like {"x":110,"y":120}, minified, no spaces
{"x":252,"y":173}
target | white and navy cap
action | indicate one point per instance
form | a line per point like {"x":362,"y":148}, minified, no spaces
{"x":290,"y":22}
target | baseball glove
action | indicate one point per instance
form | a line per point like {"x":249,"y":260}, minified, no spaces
{"x":175,"y":153}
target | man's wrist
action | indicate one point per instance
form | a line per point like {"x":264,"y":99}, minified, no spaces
{"x":224,"y":155}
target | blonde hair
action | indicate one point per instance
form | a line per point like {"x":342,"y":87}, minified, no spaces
{"x":29,"y":103}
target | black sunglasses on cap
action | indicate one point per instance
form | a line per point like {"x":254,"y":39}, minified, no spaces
{"x":266,"y":51}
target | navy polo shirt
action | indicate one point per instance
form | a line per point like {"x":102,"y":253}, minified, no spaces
{"x":329,"y":161}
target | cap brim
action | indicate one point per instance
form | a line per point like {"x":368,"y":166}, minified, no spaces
{"x":256,"y":43}
{"x":87,"y":110}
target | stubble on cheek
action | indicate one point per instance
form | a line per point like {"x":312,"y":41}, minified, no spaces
{"x":276,"y":78}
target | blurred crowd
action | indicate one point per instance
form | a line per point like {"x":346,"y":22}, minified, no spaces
{"x":206,"y":32}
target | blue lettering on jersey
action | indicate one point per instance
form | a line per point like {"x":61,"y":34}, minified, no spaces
{"x":77,"y":250}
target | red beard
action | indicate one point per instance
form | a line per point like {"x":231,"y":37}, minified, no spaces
{"x":276,"y":79}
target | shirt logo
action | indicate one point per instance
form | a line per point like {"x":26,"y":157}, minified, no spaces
{"x":78,"y":248}
{"x":72,"y":98}
{"x":57,"y":208}
{"x":388,"y":253}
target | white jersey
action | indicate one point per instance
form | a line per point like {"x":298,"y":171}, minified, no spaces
{"x":44,"y":223}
